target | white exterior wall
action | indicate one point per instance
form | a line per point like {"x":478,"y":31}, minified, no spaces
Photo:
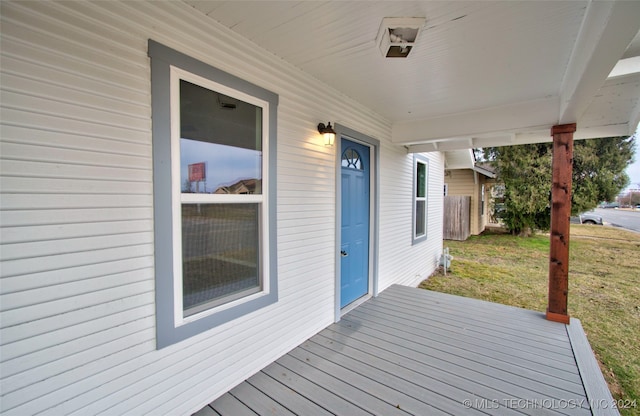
{"x":77,"y":294}
{"x":400,"y":261}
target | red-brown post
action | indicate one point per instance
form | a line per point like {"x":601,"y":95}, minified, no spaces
{"x":560,"y":213}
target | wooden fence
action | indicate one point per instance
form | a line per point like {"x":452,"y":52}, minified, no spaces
{"x":457,"y":220}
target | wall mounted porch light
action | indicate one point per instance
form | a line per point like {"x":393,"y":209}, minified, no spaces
{"x":328,"y":133}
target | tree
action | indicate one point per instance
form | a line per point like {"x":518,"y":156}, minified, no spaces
{"x":187,"y":186}
{"x":525,"y":170}
{"x":599,"y":170}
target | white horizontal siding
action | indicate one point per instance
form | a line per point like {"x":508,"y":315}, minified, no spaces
{"x":400,"y":261}
{"x":33,"y":217}
{"x":53,"y":232}
{"x":77,"y":300}
{"x":43,"y":152}
{"x":67,"y":140}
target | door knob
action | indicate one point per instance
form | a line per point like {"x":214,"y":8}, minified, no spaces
{"x":343,"y":253}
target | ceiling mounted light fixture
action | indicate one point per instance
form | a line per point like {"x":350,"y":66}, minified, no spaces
{"x":397,"y":35}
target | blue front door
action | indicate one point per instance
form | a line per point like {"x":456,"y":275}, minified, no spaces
{"x":354,"y":254}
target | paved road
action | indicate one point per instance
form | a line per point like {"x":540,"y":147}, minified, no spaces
{"x":620,"y":218}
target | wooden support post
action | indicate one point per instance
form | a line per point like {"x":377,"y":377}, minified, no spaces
{"x":560,"y":213}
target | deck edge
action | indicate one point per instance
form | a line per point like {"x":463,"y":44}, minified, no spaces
{"x":600,"y":399}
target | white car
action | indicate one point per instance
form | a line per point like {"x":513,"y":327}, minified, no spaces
{"x":587,"y":218}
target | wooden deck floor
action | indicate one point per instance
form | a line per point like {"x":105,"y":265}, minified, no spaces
{"x":412,"y":351}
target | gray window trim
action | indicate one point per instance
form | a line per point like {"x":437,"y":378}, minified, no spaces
{"x":424,"y":160}
{"x":162,"y":58}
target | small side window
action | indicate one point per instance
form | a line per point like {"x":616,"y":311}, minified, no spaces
{"x":420,"y":179}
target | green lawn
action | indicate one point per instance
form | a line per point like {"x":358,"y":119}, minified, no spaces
{"x":604,"y":289}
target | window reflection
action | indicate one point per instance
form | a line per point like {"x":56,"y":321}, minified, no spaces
{"x":219,"y":169}
{"x":421,"y":180}
{"x":221,"y":143}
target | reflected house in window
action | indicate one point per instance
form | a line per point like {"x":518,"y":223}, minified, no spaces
{"x":242,"y":187}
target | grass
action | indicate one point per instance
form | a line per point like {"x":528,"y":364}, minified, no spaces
{"x":604,"y":290}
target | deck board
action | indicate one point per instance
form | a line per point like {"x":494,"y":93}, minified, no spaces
{"x":451,"y":382}
{"x":595,"y":385}
{"x":442,"y":390}
{"x":229,"y":405}
{"x":322,"y":397}
{"x":445,"y":341}
{"x":296,"y":403}
{"x":475,"y":363}
{"x":343,"y":384}
{"x":404,"y":394}
{"x":490,"y":376}
{"x":505,"y":320}
{"x":474,"y":335}
{"x":259,"y":401}
{"x":415,"y":352}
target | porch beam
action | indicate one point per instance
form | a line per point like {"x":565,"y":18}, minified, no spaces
{"x":607,"y":29}
{"x":560,"y":212}
{"x":489,"y":121}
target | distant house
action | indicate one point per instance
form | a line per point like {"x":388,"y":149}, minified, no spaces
{"x":464,"y":177}
{"x":243,"y":186}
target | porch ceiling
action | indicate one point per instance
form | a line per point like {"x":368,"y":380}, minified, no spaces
{"x":481,"y":74}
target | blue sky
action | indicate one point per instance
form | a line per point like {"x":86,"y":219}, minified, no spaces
{"x":634,"y":169}
{"x":225,"y":164}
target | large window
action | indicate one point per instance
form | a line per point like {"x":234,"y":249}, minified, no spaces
{"x":214,"y":190}
{"x":420,"y":178}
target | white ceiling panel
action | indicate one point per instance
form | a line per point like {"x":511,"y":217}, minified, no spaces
{"x":471,"y":57}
